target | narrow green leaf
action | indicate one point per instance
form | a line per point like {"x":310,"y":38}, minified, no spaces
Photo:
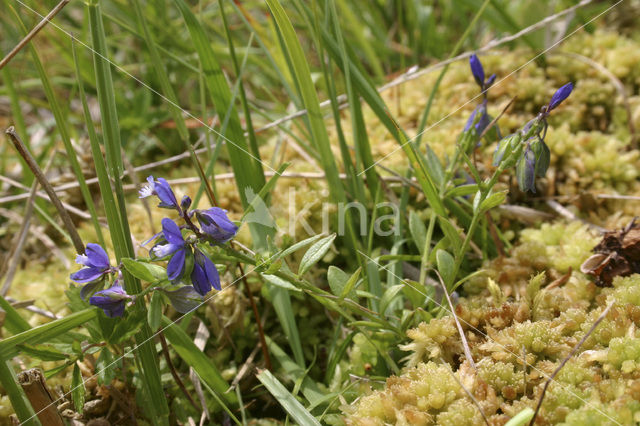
{"x":201,"y":363}
{"x":418,"y":230}
{"x":42,"y":352}
{"x":279,"y":282}
{"x":492,"y":201}
{"x":286,"y":400}
{"x":297,"y":246}
{"x":105,"y":367}
{"x":144,"y":271}
{"x":338,"y":281}
{"x":12,"y":320}
{"x":154,"y":314}
{"x":315,"y":253}
{"x":522,"y":418}
{"x":247,"y":168}
{"x":388,"y":296}
{"x":282,"y":305}
{"x":446,"y":266}
{"x":77,"y":389}
{"x":45,"y":332}
{"x":19,"y":401}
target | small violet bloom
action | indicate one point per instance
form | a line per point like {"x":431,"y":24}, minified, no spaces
{"x":95,"y":262}
{"x":216,"y":224}
{"x":560,"y":95}
{"x":176,"y":246}
{"x":111,"y":301}
{"x":162,"y":190}
{"x":477,"y":70}
{"x":482,"y":122}
{"x":205,"y":274}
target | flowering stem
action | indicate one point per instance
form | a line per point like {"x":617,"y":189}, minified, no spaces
{"x":174,"y":373}
{"x":263,"y":342}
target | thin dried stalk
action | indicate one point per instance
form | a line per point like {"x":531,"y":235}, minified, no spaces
{"x":42,"y":179}
{"x":32,"y":33}
{"x":463,"y":338}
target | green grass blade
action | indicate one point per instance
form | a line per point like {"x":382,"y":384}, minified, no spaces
{"x":248,"y":169}
{"x":169,"y":94}
{"x":45,"y":332}
{"x":310,"y":389}
{"x":19,"y":401}
{"x":282,"y":304}
{"x":286,"y":400}
{"x":121,"y":236}
{"x":189,"y":352}
{"x":12,"y":320}
{"x":61,"y":125}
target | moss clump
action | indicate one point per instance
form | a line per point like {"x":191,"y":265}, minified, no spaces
{"x":536,"y":324}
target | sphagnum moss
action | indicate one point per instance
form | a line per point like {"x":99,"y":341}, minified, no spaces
{"x":601,"y":382}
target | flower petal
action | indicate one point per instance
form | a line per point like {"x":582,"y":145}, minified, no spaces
{"x":175,"y":266}
{"x":172,"y":232}
{"x":97,"y":256}
{"x":477,"y":70}
{"x":165,"y":193}
{"x":216,"y":224}
{"x":86,"y":275}
{"x":212,"y":273}
{"x":147,"y":190}
{"x":560,"y":95}
{"x":162,"y":250}
{"x":199,"y":280}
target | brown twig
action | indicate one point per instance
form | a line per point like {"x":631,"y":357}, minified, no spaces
{"x":18,"y":243}
{"x":463,"y":338}
{"x":568,"y":357}
{"x":42,"y":179}
{"x":263,"y":341}
{"x":33,"y":32}
{"x":174,"y":373}
{"x":469,"y":394}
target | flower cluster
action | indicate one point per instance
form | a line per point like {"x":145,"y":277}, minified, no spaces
{"x":96,"y":272}
{"x":480,"y":119}
{"x":190,"y":273}
{"x":187,"y":261}
{"x":534,"y":155}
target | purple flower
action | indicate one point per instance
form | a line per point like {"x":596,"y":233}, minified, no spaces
{"x":477,"y":70}
{"x":204,"y":275}
{"x":96,"y":262}
{"x":216,"y":224}
{"x":162,"y":190}
{"x":185,"y":203}
{"x":176,"y":246}
{"x":111,"y":300}
{"x":560,"y":95}
{"x":482,"y":121}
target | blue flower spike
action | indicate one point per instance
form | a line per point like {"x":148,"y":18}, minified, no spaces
{"x":216,"y":224}
{"x":477,"y":70}
{"x":112,"y":300}
{"x":560,"y":95}
{"x":162,"y":190}
{"x":205,"y":274}
{"x":96,"y":264}
{"x":175,"y":247}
